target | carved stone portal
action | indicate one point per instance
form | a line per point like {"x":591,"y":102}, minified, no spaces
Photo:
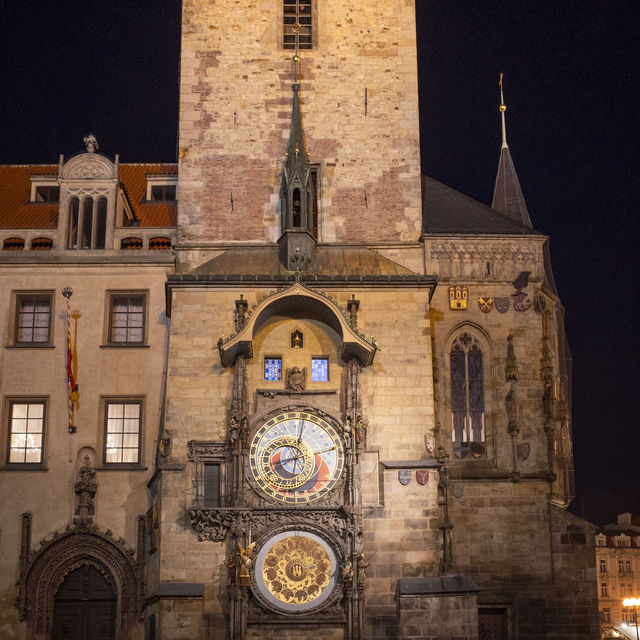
{"x":82,"y":543}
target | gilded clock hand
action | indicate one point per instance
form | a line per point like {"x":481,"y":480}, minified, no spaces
{"x":315,"y":453}
{"x":303,"y":424}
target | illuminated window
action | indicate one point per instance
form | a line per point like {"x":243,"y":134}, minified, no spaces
{"x":297,"y":24}
{"x":604,"y":590}
{"x":122,"y":431}
{"x":273,"y":369}
{"x":26,"y":432}
{"x":603,"y":565}
{"x":467,"y":397}
{"x":127,"y":319}
{"x":33,"y":319}
{"x":605,"y":615}
{"x":319,"y":369}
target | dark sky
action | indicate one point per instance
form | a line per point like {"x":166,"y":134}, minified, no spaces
{"x":571,"y":67}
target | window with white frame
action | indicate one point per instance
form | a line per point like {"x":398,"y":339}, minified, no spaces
{"x":123,"y":423}
{"x":603,"y":565}
{"x":127,"y":318}
{"x":33,"y":319}
{"x":604,"y":589}
{"x":26,"y":431}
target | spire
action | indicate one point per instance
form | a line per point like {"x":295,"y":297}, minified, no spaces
{"x":297,"y":241}
{"x":507,"y":194}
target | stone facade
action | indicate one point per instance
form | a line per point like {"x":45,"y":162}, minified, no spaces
{"x":354,"y":427}
{"x":618,"y":566}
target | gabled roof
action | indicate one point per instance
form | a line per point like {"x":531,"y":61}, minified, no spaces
{"x":507,"y":194}
{"x":445,"y":210}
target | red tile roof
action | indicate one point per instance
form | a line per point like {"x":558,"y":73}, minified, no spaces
{"x":134,"y":183}
{"x":17,"y":212}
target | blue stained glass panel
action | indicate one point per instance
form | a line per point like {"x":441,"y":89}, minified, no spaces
{"x":320,"y":369}
{"x":273,"y":369}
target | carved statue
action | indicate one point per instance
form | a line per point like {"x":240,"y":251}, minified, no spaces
{"x":164,"y":445}
{"x":242,"y":306}
{"x":243,"y":436}
{"x":347,"y":571}
{"x":361,"y":431}
{"x":86,"y":488}
{"x":352,"y":307}
{"x":91,"y":143}
{"x":246,"y":560}
{"x":510,"y":402}
{"x":348,"y":430}
{"x":362,"y":566}
{"x":296,"y":379}
{"x":230,"y":563}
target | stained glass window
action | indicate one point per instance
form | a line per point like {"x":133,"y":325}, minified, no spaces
{"x":319,"y":369}
{"x":467,"y":397}
{"x":273,"y":369}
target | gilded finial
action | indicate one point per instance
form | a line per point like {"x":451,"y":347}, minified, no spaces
{"x":503,"y":108}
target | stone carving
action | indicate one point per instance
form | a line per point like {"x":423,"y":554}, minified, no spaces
{"x":241,"y":314}
{"x":164,"y":444}
{"x":86,"y":488}
{"x":511,"y":404}
{"x":361,"y":432}
{"x":81,"y":543}
{"x":362,"y":567}
{"x":352,"y":307}
{"x":511,"y":366}
{"x":347,"y":570}
{"x":296,"y":379}
{"x":297,"y":339}
{"x":25,"y":538}
{"x":230,"y":563}
{"x":88,"y":167}
{"x":214,"y":524}
{"x":91,"y":143}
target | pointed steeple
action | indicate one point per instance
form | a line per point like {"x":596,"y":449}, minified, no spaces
{"x":297,"y":242}
{"x":507,"y":194}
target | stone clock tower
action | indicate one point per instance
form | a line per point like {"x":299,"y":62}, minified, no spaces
{"x":326,"y":408}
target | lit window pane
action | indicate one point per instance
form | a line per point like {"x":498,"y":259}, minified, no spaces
{"x":123,"y":432}
{"x":273,"y":369}
{"x":319,"y":369}
{"x":26,"y":432}
{"x":33,"y":318}
{"x":32,"y":455}
{"x":18,"y":440}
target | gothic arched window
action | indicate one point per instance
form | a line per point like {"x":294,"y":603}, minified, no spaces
{"x":467,"y":397}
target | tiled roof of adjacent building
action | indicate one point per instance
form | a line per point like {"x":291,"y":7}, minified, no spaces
{"x":18,"y":212}
{"x":133,"y":180}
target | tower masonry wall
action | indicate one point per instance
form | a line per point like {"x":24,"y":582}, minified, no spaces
{"x":235,"y":115}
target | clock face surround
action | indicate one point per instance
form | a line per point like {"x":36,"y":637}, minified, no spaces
{"x":296,"y":571}
{"x":296,"y":457}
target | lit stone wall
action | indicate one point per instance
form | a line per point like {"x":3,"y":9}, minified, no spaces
{"x":360,"y":112}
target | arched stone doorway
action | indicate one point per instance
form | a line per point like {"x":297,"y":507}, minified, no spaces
{"x":53,"y":580}
{"x":85,"y":606}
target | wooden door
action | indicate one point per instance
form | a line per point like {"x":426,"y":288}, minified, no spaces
{"x":84,"y":607}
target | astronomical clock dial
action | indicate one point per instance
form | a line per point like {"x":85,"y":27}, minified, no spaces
{"x":295,"y":571}
{"x":296,"y":457}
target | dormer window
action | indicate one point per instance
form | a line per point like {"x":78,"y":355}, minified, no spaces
{"x":87,"y":223}
{"x":45,"y":189}
{"x":161,"y":188}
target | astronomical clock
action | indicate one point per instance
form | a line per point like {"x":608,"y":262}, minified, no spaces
{"x":288,"y":511}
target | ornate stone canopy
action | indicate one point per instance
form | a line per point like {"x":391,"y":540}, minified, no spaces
{"x":298,"y":298}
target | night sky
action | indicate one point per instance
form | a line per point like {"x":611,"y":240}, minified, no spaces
{"x":570,"y":69}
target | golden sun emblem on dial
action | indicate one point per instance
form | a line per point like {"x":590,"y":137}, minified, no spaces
{"x":296,"y":457}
